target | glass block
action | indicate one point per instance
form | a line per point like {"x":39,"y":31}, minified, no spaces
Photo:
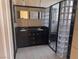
{"x":65,"y":50}
{"x":69,"y":21}
{"x":66,"y":9}
{"x":62,"y":15}
{"x":71,"y":3}
{"x":61,"y":49}
{"x":46,"y":17}
{"x":67,"y":3}
{"x":60,"y":27}
{"x":68,"y":29}
{"x":59,"y":42}
{"x":66,"y":43}
{"x":61,"y":21}
{"x":70,"y":16}
{"x":70,"y":10}
{"x":64,"y":35}
{"x":64,"y":27}
{"x":65,"y":22}
{"x":62,"y":4}
{"x":62,"y":10}
{"x":47,"y":14}
{"x":66,"y":16}
{"x":46,"y":21}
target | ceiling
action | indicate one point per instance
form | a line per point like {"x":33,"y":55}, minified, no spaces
{"x":39,"y":3}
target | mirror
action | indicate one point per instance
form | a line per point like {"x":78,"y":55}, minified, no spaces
{"x":30,"y":13}
{"x":33,"y":14}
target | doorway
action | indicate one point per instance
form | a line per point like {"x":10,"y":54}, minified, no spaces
{"x":36,"y":30}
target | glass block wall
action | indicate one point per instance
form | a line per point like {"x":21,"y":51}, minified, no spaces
{"x":45,"y":17}
{"x":64,"y":27}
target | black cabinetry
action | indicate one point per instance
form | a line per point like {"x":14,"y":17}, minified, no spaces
{"x":28,"y":36}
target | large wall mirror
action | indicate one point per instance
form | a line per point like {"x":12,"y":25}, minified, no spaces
{"x":30,"y":13}
{"x":28,"y":16}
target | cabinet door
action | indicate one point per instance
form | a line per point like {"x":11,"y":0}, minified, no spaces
{"x":22,"y":37}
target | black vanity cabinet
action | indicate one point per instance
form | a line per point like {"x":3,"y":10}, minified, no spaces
{"x":31,"y":36}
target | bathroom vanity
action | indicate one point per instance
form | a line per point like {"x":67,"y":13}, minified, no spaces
{"x":29,"y":36}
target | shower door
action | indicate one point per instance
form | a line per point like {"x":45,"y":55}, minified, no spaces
{"x":54,"y":12}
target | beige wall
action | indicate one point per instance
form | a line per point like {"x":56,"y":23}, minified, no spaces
{"x":6,"y":46}
{"x":28,"y":23}
{"x":74,"y":49}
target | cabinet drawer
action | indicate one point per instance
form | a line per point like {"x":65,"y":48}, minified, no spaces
{"x":31,"y":34}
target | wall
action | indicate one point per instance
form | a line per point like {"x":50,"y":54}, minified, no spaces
{"x":6,"y":46}
{"x":28,"y":23}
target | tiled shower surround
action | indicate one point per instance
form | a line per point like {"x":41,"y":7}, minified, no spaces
{"x":64,"y":27}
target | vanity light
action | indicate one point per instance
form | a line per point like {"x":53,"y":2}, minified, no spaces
{"x":24,"y":14}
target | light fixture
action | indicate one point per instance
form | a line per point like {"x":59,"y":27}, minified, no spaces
{"x":24,"y":14}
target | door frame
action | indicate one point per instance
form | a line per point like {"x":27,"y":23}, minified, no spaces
{"x":5,"y":20}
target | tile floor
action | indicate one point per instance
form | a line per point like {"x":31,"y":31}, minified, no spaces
{"x":36,"y":52}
